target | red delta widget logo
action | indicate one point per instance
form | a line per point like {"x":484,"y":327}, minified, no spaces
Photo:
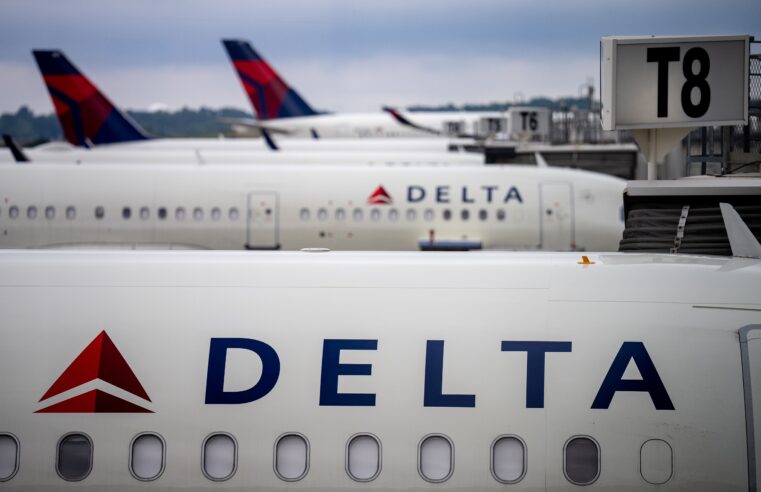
{"x":100,"y":361}
{"x":380,"y":197}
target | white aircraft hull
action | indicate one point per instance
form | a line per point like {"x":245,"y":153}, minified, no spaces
{"x":294,"y":207}
{"x":163,"y":311}
{"x":257,"y":144}
{"x":211,"y":156}
{"x":378,"y":125}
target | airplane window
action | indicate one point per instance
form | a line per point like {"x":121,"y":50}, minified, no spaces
{"x":656,"y":460}
{"x":363,"y":457}
{"x":581,"y":462}
{"x":144,"y":213}
{"x":13,"y":212}
{"x":428,"y":215}
{"x":304,"y":214}
{"x":179,"y":213}
{"x":50,"y":212}
{"x":340,"y":214}
{"x":508,"y":459}
{"x":31,"y":212}
{"x":375,"y":215}
{"x":216,"y":214}
{"x":9,"y":457}
{"x":357,"y":215}
{"x":233,"y":214}
{"x":162,"y":213}
{"x":411,"y":214}
{"x":465,"y":214}
{"x":71,"y":213}
{"x":74,"y":460}
{"x":126,"y":213}
{"x":146,"y":460}
{"x":501,"y":215}
{"x":197,"y":214}
{"x":435,"y":458}
{"x":220,"y":457}
{"x":291,"y":457}
{"x":99,"y":212}
{"x":322,"y":215}
{"x":393,"y":215}
{"x":483,"y":214}
{"x":447,"y":214}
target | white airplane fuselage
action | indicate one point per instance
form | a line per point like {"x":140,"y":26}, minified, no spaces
{"x":380,"y":125}
{"x":424,"y":144}
{"x":248,"y":157}
{"x":457,"y":371}
{"x":299,"y":206}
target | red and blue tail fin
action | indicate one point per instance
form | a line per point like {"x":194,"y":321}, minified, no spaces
{"x":86,"y":115}
{"x":270,"y":95}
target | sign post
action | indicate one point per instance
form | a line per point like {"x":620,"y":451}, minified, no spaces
{"x":661,"y":87}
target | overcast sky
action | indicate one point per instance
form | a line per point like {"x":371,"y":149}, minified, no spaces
{"x":342,"y":55}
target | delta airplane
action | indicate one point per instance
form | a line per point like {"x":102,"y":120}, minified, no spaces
{"x":281,"y":109}
{"x":222,"y":155}
{"x":301,"y":206}
{"x":129,"y":371}
{"x":90,"y":120}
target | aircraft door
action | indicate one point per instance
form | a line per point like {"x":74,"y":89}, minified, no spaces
{"x":557,"y":220}
{"x":750,"y":354}
{"x":263,"y":220}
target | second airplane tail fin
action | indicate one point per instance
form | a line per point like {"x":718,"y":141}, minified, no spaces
{"x":86,"y":115}
{"x":270,"y":95}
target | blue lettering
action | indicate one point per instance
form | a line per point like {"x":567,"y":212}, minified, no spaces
{"x":465,"y":197}
{"x":650,"y":383}
{"x":513,"y":193}
{"x":415,"y":194}
{"x":489,"y":191}
{"x":434,"y":368}
{"x":535,"y":352}
{"x":332,"y":368}
{"x":442,"y":194}
{"x":215,"y":377}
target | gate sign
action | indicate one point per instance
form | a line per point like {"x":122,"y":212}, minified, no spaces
{"x":528,"y":123}
{"x":674,"y":82}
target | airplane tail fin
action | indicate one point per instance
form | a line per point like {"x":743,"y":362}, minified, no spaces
{"x":269,"y":94}
{"x":86,"y":115}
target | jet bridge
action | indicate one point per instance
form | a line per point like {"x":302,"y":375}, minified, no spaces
{"x":684,"y":216}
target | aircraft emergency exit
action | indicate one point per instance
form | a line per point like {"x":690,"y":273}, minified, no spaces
{"x":299,"y":206}
{"x":391,"y":371}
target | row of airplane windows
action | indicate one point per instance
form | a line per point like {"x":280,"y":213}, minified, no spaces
{"x":216,"y":214}
{"x":180,"y":213}
{"x":363,"y":458}
{"x":394,"y":214}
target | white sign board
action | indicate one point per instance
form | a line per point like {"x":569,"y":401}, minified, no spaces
{"x":528,"y":123}
{"x":674,"y":82}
